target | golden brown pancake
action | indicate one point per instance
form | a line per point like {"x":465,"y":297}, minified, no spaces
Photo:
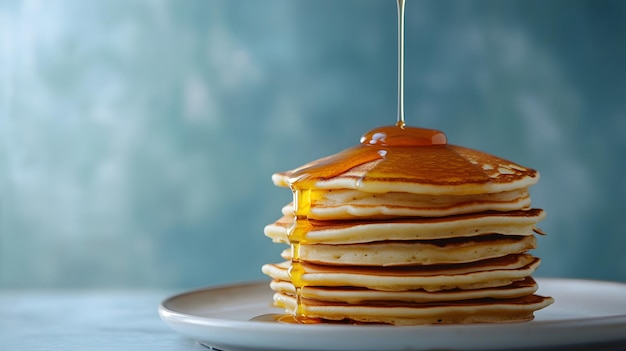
{"x":352,"y":204}
{"x":476,"y":275}
{"x":417,"y":228}
{"x":457,"y":171}
{"x":403,"y":253}
{"x":354,"y":295}
{"x":463,"y":311}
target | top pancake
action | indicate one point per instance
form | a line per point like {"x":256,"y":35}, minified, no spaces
{"x":443,"y":169}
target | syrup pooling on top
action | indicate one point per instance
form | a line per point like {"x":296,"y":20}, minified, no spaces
{"x":392,"y":145}
{"x":401,"y":135}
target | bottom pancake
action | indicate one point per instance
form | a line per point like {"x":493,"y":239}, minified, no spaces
{"x":403,"y":313}
{"x":355,"y":295}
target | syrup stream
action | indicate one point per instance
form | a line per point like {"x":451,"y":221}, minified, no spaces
{"x":400,"y":122}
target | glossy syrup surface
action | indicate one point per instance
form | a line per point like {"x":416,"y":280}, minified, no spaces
{"x":295,"y":236}
{"x":396,"y":147}
{"x":402,"y":135}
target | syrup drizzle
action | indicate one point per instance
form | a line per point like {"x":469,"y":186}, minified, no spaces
{"x":295,"y":235}
{"x":393,"y":145}
{"x":400,"y":121}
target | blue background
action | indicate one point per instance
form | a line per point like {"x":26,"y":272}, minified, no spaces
{"x":137,"y":138}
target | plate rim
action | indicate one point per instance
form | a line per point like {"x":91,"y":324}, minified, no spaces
{"x":196,"y":326}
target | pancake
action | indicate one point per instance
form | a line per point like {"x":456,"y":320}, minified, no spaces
{"x":444,"y":170}
{"x":422,"y":228}
{"x":353,"y":295}
{"x":476,"y":275}
{"x":402,"y":253}
{"x":341,"y":204}
{"x":463,"y":311}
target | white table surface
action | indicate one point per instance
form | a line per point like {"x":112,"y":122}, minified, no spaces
{"x":87,"y":320}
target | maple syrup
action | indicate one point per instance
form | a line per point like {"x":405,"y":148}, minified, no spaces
{"x":401,"y":62}
{"x":285,"y":319}
{"x":394,"y":145}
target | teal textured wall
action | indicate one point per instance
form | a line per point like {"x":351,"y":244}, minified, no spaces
{"x":137,"y":138}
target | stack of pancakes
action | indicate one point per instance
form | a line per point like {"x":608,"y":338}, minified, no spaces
{"x":439,"y":235}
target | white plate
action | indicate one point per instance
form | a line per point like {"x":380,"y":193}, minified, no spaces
{"x":584,"y":314}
